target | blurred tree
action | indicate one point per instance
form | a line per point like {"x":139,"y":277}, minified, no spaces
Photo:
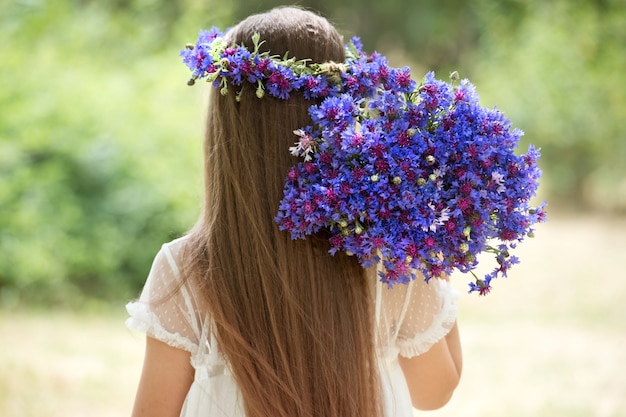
{"x":558,"y":74}
{"x":429,"y":32}
{"x":97,"y":162}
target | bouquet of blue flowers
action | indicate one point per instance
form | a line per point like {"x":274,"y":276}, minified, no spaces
{"x":419,"y":177}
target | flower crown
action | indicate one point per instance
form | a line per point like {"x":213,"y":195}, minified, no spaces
{"x":418,"y":176}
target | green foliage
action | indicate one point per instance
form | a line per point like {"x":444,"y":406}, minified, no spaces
{"x":100,"y":145}
{"x":557,"y":73}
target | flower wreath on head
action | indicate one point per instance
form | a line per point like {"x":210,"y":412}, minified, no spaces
{"x":418,"y":176}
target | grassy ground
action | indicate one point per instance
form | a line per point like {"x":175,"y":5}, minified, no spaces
{"x":549,"y":341}
{"x":66,"y":365}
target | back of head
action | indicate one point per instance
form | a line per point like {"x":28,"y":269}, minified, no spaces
{"x":305,"y":35}
{"x":295,"y":323}
{"x":259,"y":132}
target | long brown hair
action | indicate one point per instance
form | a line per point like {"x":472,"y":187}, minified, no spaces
{"x":295,"y":323}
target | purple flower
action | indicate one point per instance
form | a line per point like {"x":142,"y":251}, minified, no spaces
{"x":400,"y":80}
{"x":207,"y":36}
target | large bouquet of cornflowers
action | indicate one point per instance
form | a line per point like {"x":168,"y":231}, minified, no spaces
{"x":418,"y":176}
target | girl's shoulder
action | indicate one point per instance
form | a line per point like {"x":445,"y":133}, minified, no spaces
{"x":176,"y":246}
{"x":173,"y":253}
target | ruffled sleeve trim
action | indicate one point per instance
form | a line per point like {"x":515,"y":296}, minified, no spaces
{"x":145,"y":321}
{"x":441,"y":325}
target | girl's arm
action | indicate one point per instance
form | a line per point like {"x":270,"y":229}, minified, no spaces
{"x":165,"y":380}
{"x":433,"y":376}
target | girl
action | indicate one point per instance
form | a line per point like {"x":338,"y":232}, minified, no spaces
{"x":241,"y":320}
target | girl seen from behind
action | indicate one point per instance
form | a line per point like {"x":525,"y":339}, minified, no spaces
{"x":241,"y":320}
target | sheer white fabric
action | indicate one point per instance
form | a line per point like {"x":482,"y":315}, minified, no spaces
{"x":411,"y":319}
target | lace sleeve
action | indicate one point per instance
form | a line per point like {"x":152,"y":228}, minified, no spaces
{"x":166,"y":309}
{"x":419,"y":314}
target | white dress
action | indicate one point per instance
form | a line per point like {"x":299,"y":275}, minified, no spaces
{"x":410,"y":319}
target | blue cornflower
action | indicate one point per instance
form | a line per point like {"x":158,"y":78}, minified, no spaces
{"x":207,"y":36}
{"x":400,"y":80}
{"x":279,"y":83}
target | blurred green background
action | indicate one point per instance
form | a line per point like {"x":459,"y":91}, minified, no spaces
{"x":100,"y":138}
{"x":100,"y":164}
